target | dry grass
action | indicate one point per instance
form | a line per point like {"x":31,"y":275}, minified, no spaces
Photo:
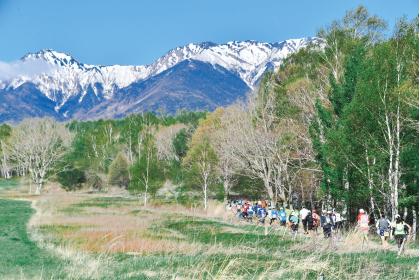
{"x":105,"y":230}
{"x":87,"y":240}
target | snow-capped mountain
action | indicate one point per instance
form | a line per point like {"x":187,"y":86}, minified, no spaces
{"x":67,"y":77}
{"x":77,"y":87}
{"x":248,"y":59}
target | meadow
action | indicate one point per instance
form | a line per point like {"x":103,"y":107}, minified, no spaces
{"x":78,"y":235}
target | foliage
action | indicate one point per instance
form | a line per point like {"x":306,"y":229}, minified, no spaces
{"x":180,"y":142}
{"x":5,"y":131}
{"x":94,"y":182}
{"x":147,"y":172}
{"x":118,"y":171}
{"x":71,"y":178}
{"x":201,"y":158}
{"x":363,"y":161}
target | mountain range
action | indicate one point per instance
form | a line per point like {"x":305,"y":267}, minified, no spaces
{"x":200,"y":76}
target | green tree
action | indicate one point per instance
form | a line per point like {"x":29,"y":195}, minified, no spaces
{"x":147,"y":174}
{"x":118,"y":171}
{"x":71,"y":178}
{"x":201,"y":159}
{"x":180,"y":143}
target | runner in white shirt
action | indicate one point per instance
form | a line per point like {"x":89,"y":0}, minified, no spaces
{"x":303,"y":216}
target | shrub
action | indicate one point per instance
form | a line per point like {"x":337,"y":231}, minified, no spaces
{"x":118,"y":171}
{"x":94,"y":182}
{"x":71,"y":178}
{"x":180,"y":142}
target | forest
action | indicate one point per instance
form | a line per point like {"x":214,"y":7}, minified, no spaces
{"x":335,"y":127}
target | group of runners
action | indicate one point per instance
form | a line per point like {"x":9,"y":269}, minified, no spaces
{"x":332,"y":222}
{"x":262,"y":212}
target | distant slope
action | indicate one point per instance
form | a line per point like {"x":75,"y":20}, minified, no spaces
{"x":25,"y":101}
{"x":190,"y":85}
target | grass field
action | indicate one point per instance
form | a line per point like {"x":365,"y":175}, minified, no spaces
{"x":99,"y":236}
{"x":20,"y":257}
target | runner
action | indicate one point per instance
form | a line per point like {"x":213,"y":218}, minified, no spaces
{"x":401,"y":231}
{"x":262,"y":213}
{"x":316,"y":220}
{"x":273,"y":215}
{"x":363,"y":226}
{"x":283,"y":216}
{"x":383,"y":225}
{"x":294,"y":223}
{"x":303,"y":216}
{"x":338,"y":221}
{"x":250,"y":213}
{"x":244,"y":211}
{"x":327,"y":223}
{"x":310,"y":223}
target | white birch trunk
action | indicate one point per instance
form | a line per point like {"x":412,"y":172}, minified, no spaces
{"x":414,"y":227}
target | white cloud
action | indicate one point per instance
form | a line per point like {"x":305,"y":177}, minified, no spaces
{"x":27,"y":68}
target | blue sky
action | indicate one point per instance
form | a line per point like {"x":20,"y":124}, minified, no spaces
{"x":137,"y":32}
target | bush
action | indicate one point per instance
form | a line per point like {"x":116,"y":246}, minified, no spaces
{"x":180,"y":142}
{"x":94,"y":182}
{"x":118,"y":171}
{"x":71,"y":178}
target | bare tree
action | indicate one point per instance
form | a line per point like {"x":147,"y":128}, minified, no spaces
{"x":164,"y":141}
{"x":253,"y":147}
{"x":37,"y":145}
{"x":5,"y":170}
{"x":226,"y":166}
{"x":264,"y":145}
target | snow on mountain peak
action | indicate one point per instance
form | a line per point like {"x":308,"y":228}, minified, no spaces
{"x":52,"y":57}
{"x":69,"y":78}
{"x":248,"y":59}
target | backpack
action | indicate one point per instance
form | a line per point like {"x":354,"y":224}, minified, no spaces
{"x":294,"y":219}
{"x":309,"y":219}
{"x":273,"y":214}
{"x":283,"y":215}
{"x":399,"y":229}
{"x":261,"y":212}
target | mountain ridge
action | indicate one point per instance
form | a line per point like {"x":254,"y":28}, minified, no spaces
{"x":68,"y":82}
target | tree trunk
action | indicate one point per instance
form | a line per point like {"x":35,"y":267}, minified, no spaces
{"x":145,"y":196}
{"x":390,"y":140}
{"x":226,"y":187}
{"x":414,"y":226}
{"x":268,"y":188}
{"x":370,"y":185}
{"x":5,"y":167}
{"x":396,"y":171}
{"x":205,"y":194}
{"x":38,"y":188}
{"x":347,"y":188}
